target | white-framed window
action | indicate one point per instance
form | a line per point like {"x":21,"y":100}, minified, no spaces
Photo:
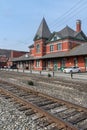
{"x":51,"y":48}
{"x":37,"y":48}
{"x":37,"y":63}
{"x":59,"y":46}
{"x":55,"y":37}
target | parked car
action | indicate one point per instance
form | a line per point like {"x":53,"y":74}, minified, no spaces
{"x":73,"y":69}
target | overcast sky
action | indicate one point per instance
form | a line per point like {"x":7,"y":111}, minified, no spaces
{"x":20,"y":19}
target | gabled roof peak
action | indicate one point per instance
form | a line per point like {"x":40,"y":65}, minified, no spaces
{"x":67,"y":31}
{"x":43,"y":31}
{"x":68,"y":28}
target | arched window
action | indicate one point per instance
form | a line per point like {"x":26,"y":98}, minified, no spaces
{"x":37,"y":48}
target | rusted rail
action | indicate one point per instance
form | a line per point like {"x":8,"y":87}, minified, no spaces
{"x":66,"y":115}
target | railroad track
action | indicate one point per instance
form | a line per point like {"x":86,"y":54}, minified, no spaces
{"x":64,"y":115}
{"x":37,"y":78}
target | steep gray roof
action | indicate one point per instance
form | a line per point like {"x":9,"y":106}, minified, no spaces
{"x":43,"y":31}
{"x":68,"y":32}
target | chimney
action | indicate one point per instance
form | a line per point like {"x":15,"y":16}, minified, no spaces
{"x":78,"y":25}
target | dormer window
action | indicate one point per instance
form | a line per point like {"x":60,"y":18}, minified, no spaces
{"x":55,"y":38}
{"x":59,"y":46}
{"x":37,"y":48}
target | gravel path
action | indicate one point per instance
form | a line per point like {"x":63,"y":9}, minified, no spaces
{"x":12,"y":119}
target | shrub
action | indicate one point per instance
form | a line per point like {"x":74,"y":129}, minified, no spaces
{"x":30,"y":83}
{"x":49,"y":75}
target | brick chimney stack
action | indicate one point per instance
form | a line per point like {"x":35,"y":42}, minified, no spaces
{"x":78,"y":25}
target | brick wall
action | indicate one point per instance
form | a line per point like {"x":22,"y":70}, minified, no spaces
{"x":45,"y":49}
{"x":15,"y":54}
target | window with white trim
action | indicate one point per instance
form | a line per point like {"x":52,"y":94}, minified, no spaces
{"x":59,"y":46}
{"x":37,"y":63}
{"x":37,"y":48}
{"x":51,"y":47}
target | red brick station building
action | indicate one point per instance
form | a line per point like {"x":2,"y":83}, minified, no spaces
{"x":52,"y":51}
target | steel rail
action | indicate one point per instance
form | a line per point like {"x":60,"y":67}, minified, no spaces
{"x":60,"y":123}
{"x":69,"y":104}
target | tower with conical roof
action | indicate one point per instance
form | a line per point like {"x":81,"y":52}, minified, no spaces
{"x":40,"y":39}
